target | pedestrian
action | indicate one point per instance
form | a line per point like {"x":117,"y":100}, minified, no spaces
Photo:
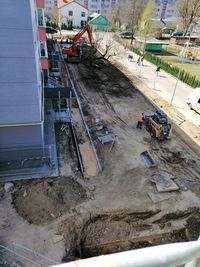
{"x":158,"y":70}
{"x":138,"y":61}
{"x":140,"y":121}
{"x":142,"y":59}
{"x":130,"y":57}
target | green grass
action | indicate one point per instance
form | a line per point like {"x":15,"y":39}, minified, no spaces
{"x":193,"y":69}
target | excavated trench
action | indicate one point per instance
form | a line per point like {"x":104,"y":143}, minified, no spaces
{"x":117,"y":232}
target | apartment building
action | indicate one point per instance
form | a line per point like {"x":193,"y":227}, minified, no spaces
{"x":166,"y":9}
{"x":23,"y":58}
{"x":98,"y":6}
{"x":50,"y":5}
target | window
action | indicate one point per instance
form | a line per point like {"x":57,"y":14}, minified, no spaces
{"x":70,"y":13}
{"x":43,"y":49}
{"x":40,"y":15}
{"x":82,"y":14}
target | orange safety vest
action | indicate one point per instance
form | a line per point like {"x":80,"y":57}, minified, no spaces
{"x":140,"y":118}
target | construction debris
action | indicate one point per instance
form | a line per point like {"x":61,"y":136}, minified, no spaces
{"x":178,"y":119}
{"x":8,"y":187}
{"x":105,"y":139}
{"x":163,"y":182}
{"x":148,"y":159}
{"x":159,"y":197}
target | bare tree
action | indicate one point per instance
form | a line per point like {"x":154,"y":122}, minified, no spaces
{"x":189,"y":11}
{"x":128,"y":13}
{"x":133,"y":10}
{"x":107,"y":46}
{"x":116,"y":16}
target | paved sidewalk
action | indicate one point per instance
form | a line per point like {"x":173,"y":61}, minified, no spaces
{"x":163,"y":84}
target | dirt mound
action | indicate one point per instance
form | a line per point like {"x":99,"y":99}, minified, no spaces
{"x":44,"y":201}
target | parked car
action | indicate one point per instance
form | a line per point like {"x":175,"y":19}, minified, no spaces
{"x":126,"y":34}
{"x":51,"y":30}
{"x":177,"y":34}
{"x":194,"y":100}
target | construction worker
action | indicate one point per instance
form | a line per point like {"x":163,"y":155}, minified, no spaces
{"x":140,"y":121}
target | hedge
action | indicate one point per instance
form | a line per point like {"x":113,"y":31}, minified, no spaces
{"x":175,"y":71}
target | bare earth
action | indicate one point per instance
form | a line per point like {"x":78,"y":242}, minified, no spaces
{"x":121,"y":208}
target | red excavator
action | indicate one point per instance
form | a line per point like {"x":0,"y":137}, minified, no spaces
{"x":72,"y":51}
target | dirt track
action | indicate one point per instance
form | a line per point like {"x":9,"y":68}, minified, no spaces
{"x":112,"y":211}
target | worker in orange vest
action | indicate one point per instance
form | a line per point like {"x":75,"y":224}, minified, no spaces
{"x":140,"y":121}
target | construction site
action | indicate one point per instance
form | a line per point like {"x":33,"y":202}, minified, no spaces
{"x":111,"y":187}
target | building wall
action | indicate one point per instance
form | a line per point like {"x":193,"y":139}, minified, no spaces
{"x":76,"y":9}
{"x":23,"y":136}
{"x":20,"y":74}
{"x":49,"y":5}
{"x":99,"y":23}
{"x":100,"y":6}
{"x":166,"y":9}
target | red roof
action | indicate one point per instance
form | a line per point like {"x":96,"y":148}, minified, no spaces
{"x":62,"y":3}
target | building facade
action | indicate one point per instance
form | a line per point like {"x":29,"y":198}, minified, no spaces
{"x":99,"y":6}
{"x":73,"y":14}
{"x":49,"y":6}
{"x":166,"y":9}
{"x":23,"y":57}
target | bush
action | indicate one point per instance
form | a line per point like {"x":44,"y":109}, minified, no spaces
{"x":135,"y":50}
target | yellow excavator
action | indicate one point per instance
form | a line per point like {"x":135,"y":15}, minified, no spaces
{"x":157,"y":125}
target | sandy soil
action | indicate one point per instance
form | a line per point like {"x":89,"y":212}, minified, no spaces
{"x":111,"y":211}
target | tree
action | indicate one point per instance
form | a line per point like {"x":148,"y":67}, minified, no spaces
{"x":55,"y":18}
{"x":146,"y":22}
{"x":106,"y":44}
{"x":133,"y":12}
{"x":128,"y":13}
{"x":189,"y":11}
{"x":116,"y":16}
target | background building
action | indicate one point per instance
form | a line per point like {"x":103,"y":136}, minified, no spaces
{"x":49,"y":5}
{"x":166,"y":9}
{"x":99,"y":6}
{"x":73,"y":14}
{"x":98,"y":22}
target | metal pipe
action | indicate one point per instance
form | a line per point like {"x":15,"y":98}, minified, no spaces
{"x":169,"y":255}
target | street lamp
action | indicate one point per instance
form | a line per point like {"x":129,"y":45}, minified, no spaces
{"x":184,"y":49}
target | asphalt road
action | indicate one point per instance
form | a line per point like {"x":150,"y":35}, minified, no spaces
{"x":164,"y":84}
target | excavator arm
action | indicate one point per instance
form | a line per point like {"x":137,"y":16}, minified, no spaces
{"x":81,"y":32}
{"x":73,"y":52}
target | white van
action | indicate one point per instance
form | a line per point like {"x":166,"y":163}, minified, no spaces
{"x":194,"y":100}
